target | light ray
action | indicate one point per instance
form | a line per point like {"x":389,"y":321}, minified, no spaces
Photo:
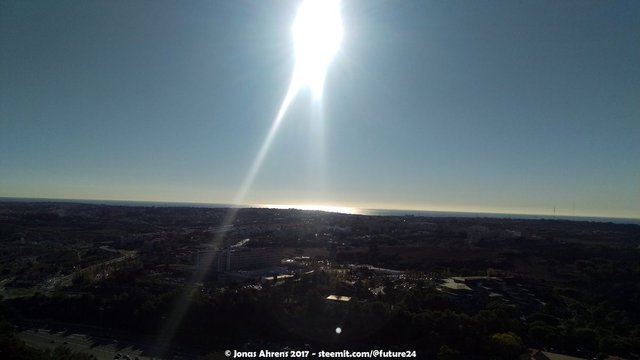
{"x":182,"y":305}
{"x":317,"y":33}
{"x":266,"y":144}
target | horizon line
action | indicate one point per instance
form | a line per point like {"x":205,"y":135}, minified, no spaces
{"x":324,"y":208}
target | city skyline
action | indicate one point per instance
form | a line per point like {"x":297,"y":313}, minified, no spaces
{"x":501,"y":107}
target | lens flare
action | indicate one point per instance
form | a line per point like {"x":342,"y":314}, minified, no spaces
{"x":317,"y":34}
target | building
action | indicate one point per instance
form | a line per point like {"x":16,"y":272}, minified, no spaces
{"x":535,"y":354}
{"x":243,"y":258}
{"x":338,"y":298}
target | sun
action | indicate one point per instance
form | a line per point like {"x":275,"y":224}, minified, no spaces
{"x":317,"y":35}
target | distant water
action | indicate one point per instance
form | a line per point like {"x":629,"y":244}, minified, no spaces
{"x":377,"y":212}
{"x":355,"y":211}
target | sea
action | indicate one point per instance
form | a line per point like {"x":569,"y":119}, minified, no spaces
{"x":351,"y":210}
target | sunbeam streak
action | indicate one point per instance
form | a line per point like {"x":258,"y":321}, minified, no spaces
{"x":266,"y":144}
{"x":182,"y":305}
{"x":317,"y":34}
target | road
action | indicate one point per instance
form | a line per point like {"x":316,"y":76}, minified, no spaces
{"x":58,"y":282}
{"x":65,"y":281}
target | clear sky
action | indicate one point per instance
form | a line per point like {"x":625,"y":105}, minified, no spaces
{"x":501,"y":106}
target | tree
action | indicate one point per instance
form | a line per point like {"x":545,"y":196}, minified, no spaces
{"x":447,"y":353}
{"x":506,"y":345}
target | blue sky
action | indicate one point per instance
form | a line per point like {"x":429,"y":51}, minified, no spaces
{"x":500,"y":106}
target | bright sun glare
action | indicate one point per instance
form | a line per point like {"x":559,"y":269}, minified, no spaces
{"x":317,"y":34}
